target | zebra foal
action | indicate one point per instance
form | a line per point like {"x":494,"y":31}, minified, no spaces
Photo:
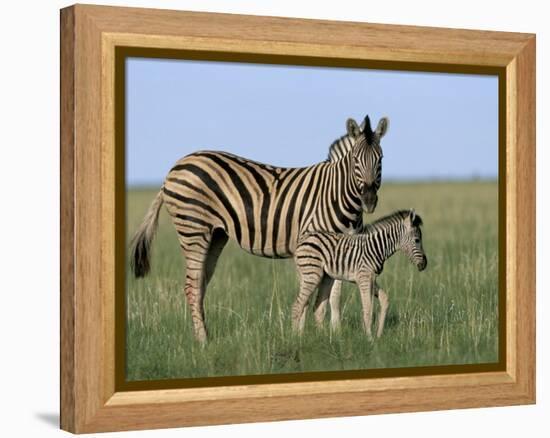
{"x":322,"y":257}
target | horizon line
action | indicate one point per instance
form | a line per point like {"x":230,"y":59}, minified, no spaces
{"x":411,"y":180}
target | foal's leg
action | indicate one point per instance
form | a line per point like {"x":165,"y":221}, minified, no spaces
{"x":366,"y":288}
{"x":335,"y":294}
{"x":308,"y":284}
{"x":322,"y":300}
{"x":384,"y":303}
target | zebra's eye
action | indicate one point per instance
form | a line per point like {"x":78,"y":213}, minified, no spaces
{"x":417,"y":240}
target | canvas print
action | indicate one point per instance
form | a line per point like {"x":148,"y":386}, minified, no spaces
{"x":293,"y":219}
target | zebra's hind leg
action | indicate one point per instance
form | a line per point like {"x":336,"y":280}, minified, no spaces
{"x":217,"y":244}
{"x":322,"y":300}
{"x":195,"y":247}
{"x":384,"y":304}
{"x":335,"y":295}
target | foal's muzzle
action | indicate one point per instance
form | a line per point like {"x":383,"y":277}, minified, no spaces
{"x":423,"y":263}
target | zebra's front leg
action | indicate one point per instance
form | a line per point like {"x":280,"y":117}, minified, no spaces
{"x":384,"y":304}
{"x":366,"y":289}
{"x":335,"y":295}
{"x":308,"y":284}
{"x":322,"y":300}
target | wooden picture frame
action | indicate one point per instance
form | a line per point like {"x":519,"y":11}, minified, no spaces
{"x":91,"y":399}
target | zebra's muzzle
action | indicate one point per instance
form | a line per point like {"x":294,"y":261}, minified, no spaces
{"x":369,"y":198}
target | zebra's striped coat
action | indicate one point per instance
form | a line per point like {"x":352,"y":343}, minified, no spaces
{"x":322,"y":257}
{"x":213,"y":196}
{"x":277,"y":204}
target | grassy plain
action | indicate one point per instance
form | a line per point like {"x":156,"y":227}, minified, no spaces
{"x":447,"y":314}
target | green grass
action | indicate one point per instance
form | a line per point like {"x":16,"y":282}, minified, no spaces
{"x":447,"y":314}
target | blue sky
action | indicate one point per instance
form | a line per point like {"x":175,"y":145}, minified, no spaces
{"x":442,"y":126}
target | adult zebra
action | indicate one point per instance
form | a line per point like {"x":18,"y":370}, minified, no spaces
{"x":212,"y":196}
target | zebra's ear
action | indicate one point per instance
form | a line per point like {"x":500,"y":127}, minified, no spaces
{"x":353,"y":128}
{"x":382,"y":127}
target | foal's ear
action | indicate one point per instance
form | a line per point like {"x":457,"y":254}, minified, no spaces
{"x":382,"y":127}
{"x":416,"y":220}
{"x":353,"y":129}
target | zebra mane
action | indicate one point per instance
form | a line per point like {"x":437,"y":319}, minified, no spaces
{"x":392,"y":218}
{"x":341,"y":146}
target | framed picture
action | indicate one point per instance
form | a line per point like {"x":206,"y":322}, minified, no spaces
{"x":246,"y":236}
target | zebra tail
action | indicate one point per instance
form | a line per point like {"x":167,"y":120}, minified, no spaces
{"x":140,"y":246}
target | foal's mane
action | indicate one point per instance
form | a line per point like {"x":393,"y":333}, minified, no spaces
{"x":390,"y":219}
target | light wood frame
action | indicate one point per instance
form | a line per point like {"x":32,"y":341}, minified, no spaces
{"x":89,"y":38}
